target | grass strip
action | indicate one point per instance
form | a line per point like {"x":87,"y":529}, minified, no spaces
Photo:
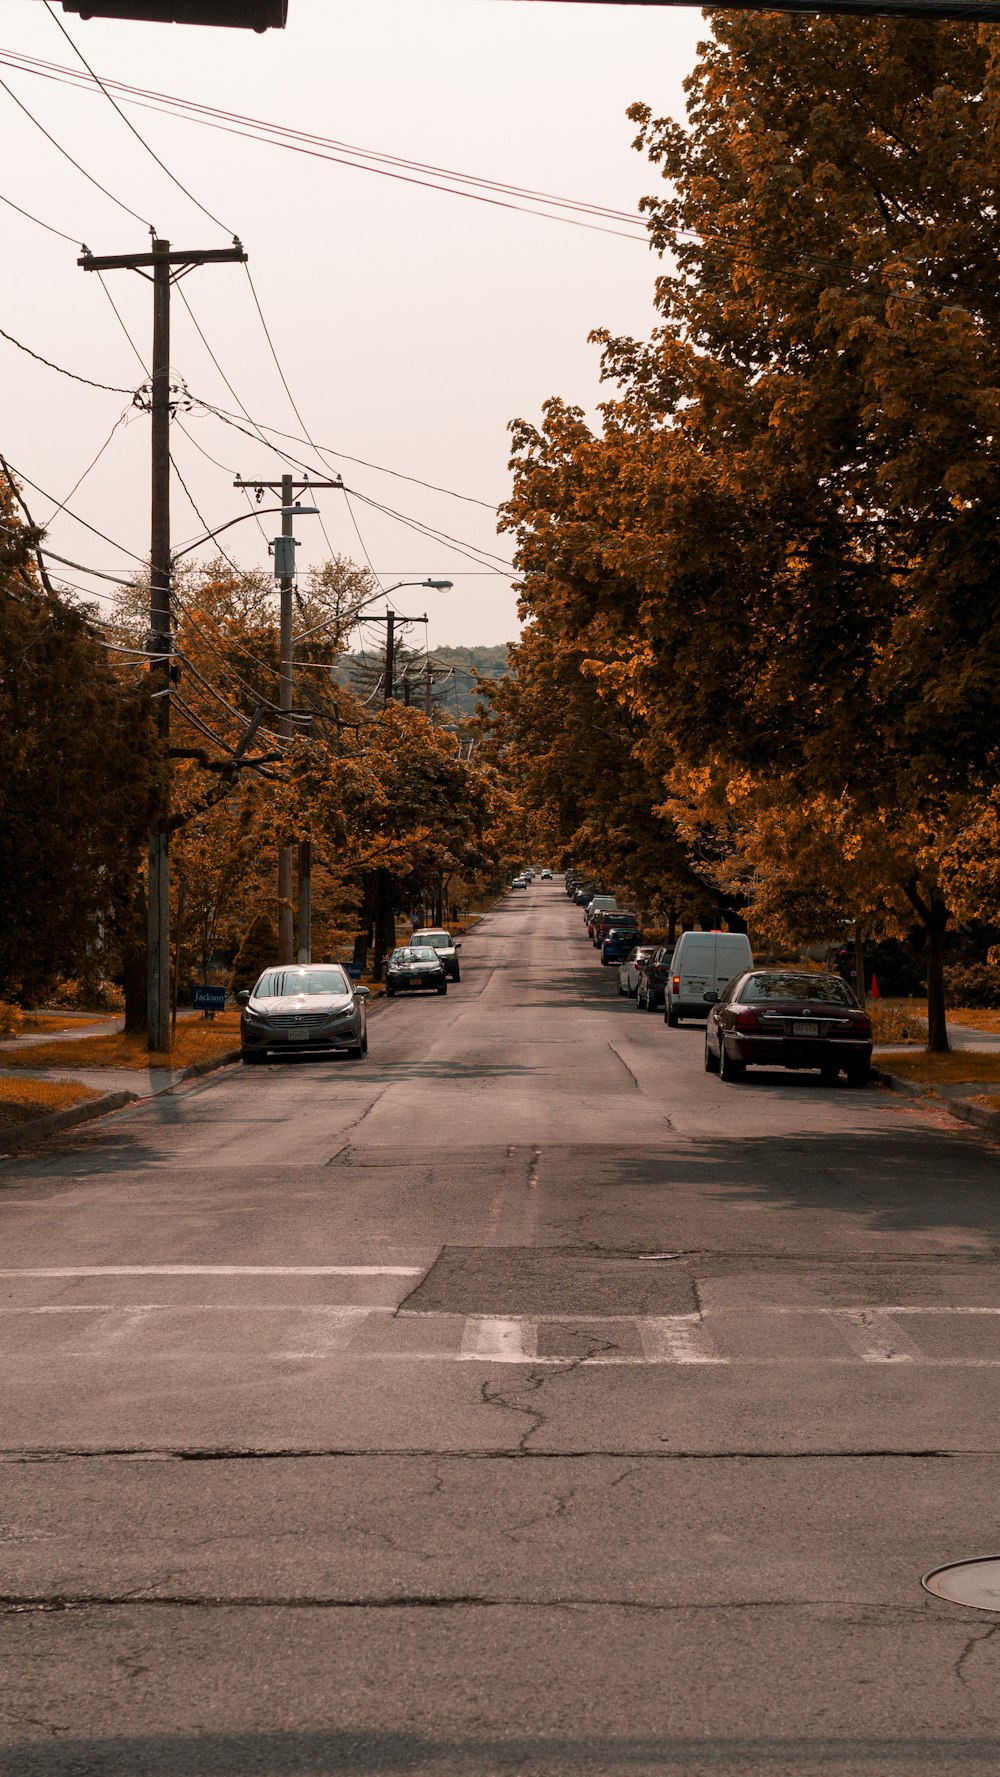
{"x":194,"y":1041}
{"x":23,"y":1100}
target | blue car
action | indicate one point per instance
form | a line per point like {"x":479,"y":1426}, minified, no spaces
{"x":620,"y":940}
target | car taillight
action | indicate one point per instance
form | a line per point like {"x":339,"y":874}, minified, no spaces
{"x":677,"y":984}
{"x":862,"y":1024}
{"x":747,"y":1021}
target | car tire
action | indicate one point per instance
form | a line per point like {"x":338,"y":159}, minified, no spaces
{"x":828,"y":1074}
{"x":671,"y":1017}
{"x":253,"y":1057}
{"x":356,"y":1052}
{"x":729,"y":1070}
{"x":711,"y":1059}
{"x":390,"y":992}
{"x":621,"y":990}
{"x":457,"y":975}
{"x":859,"y":1073}
{"x":443,"y":987}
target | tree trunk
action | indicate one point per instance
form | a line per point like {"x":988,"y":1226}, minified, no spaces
{"x":933,"y":915}
{"x":385,"y":919}
{"x":672,"y":926}
{"x":860,"y":981}
{"x":937,"y":1023}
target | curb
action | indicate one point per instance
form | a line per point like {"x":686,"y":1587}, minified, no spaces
{"x":962,"y":1108}
{"x":24,"y":1135}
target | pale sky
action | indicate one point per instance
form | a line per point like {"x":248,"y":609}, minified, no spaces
{"x":411,"y":325}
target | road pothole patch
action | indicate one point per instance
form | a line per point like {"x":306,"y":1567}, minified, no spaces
{"x":546,"y":1281}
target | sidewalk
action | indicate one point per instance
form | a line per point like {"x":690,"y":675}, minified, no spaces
{"x":957,"y":1095}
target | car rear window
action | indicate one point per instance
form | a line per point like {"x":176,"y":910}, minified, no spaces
{"x":826,"y":990}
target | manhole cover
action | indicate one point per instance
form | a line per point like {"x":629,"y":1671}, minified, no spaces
{"x":976,"y":1583}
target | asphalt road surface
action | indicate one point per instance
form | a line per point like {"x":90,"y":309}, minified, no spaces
{"x":520,"y":1399}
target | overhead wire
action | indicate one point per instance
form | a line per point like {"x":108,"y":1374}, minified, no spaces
{"x":38,"y":221}
{"x":288,"y":392}
{"x":74,"y":163}
{"x":78,"y":52}
{"x":121,"y":420}
{"x":111,"y":388}
{"x":199,"y":515}
{"x":76,"y":518}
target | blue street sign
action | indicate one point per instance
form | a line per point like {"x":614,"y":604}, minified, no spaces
{"x":210,"y":999}
{"x":355,"y":971}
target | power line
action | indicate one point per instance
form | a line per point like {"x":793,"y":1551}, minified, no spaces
{"x":122,"y":417}
{"x":76,"y":519}
{"x":74,"y":163}
{"x":38,"y":220}
{"x":131,"y":126}
{"x":200,"y":516}
{"x":111,"y":388}
{"x":142,"y":364}
{"x":288,"y":392}
{"x":482,"y":556}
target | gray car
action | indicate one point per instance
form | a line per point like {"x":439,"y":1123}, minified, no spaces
{"x":304,"y":1009}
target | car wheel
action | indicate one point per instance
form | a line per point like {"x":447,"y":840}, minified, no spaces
{"x":621,"y":990}
{"x":641,"y":1005}
{"x":728,"y":1068}
{"x":672,"y":1018}
{"x":443,"y":987}
{"x":355,"y":1052}
{"x":457,"y":975}
{"x":390,"y":992}
{"x":253,"y":1057}
{"x":711,"y":1059}
{"x":828,"y":1074}
{"x":859,"y":1073}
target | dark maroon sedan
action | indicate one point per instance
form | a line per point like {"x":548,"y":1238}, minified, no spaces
{"x":789,"y":1018}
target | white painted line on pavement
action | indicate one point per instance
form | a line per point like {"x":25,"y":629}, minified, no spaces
{"x":676,"y":1339}
{"x":870,"y":1332}
{"x":500,"y":1341}
{"x":220,"y":1271}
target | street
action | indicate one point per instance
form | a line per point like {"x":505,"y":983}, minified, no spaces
{"x":522,"y":1397}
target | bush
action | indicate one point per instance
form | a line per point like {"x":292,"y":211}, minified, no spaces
{"x":896,"y":1024}
{"x":11,"y":1019}
{"x":87,"y":996}
{"x":973,"y":985}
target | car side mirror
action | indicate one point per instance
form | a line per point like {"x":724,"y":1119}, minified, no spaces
{"x":362,"y":993}
{"x":458,"y":946}
{"x":243,"y":997}
{"x":712,"y":998}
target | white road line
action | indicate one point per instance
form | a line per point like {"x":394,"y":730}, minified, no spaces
{"x":676,"y":1339}
{"x":893,"y":1309}
{"x":500,"y":1341}
{"x":221,"y":1271}
{"x":871,"y":1333}
{"x":331,"y":1308}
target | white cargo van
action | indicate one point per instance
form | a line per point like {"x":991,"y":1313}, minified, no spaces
{"x":702,"y":963}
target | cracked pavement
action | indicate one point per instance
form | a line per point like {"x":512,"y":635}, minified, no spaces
{"x":523,"y":1398}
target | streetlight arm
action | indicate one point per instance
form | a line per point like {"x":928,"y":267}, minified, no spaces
{"x":263,"y":511}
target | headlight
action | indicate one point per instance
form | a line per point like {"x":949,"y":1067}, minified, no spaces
{"x":254,"y":1017}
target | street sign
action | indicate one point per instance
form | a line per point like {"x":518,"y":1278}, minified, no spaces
{"x":355,"y":971}
{"x":210,"y":999}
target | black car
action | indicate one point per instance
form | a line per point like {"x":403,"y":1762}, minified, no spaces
{"x":413,"y":969}
{"x":652,"y":985}
{"x":788,"y":1018}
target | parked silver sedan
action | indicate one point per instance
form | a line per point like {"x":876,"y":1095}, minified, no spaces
{"x":303,"y":1009}
{"x":630,"y":968}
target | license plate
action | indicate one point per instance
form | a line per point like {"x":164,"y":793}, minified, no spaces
{"x":297,"y":1036}
{"x":805,"y":1027}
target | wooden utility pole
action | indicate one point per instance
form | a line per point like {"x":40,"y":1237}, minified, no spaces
{"x":164,"y":268}
{"x":389,"y":673}
{"x":428,"y":689}
{"x":285,"y":573}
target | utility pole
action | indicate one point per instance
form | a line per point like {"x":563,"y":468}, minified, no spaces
{"x":388,"y":677}
{"x":428,"y":689}
{"x":165,"y":268}
{"x":284,"y":568}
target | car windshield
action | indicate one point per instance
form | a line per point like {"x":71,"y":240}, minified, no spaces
{"x":281,"y":984}
{"x":419,"y":953}
{"x":437,"y":940}
{"x":826,"y":990}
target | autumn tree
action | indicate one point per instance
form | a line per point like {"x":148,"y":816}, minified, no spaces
{"x":786,"y":526}
{"x":79,"y":778}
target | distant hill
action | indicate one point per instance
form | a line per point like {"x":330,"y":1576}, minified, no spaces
{"x":454,"y":696}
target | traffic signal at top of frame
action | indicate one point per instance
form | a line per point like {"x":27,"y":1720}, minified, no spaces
{"x":250,"y":15}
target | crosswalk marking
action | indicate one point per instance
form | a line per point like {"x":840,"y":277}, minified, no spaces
{"x":677,"y":1339}
{"x":221,"y":1271}
{"x":248,"y":1332}
{"x":500,"y":1341}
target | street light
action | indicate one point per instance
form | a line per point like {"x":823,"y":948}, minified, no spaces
{"x":435,"y":585}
